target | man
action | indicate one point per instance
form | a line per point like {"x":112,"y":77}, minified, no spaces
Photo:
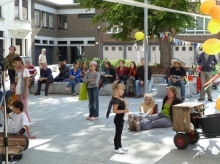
{"x":42,"y":58}
{"x":22,"y":79}
{"x":11,"y":97}
{"x":32,"y":72}
{"x":45,"y":77}
{"x":206,"y":62}
{"x":140,"y":77}
{"x":9,"y":63}
{"x":177,"y":76}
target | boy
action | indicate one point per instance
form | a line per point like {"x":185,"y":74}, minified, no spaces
{"x":11,"y":97}
{"x":18,"y":119}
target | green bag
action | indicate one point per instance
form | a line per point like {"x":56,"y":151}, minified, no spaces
{"x":83,"y":95}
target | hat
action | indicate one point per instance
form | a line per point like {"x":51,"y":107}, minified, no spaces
{"x":174,"y":60}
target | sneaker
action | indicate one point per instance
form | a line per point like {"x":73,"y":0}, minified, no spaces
{"x":200,"y":99}
{"x":119,"y":151}
{"x":210,"y":100}
{"x":123,"y":149}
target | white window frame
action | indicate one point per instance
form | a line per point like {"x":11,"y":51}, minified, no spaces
{"x":37,"y":19}
{"x":114,"y":29}
{"x":51,"y":20}
{"x":44,"y":17}
{"x":24,"y":10}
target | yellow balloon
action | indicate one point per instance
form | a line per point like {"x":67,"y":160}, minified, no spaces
{"x":218,"y":104}
{"x":211,"y":46}
{"x":214,"y":26}
{"x":139,"y":35}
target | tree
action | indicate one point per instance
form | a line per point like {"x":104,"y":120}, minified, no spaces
{"x":130,"y":18}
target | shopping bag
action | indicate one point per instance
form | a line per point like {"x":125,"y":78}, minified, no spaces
{"x":83,"y":95}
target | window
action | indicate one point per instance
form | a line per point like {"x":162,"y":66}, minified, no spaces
{"x":62,"y":42}
{"x":91,"y":42}
{"x":119,"y":48}
{"x":50,"y":20}
{"x":113,"y":48}
{"x":86,"y":15}
{"x":183,"y":48}
{"x":37,"y":41}
{"x":113,"y":29}
{"x":176,"y":48}
{"x":106,"y":48}
{"x":0,"y":11}
{"x":16,"y":9}
{"x":129,"y":48}
{"x":24,"y":9}
{"x":76,"y":42}
{"x":45,"y":41}
{"x":153,"y":48}
{"x":62,"y":22}
{"x":37,"y":18}
{"x":190,"y":48}
{"x":51,"y":42}
{"x":44,"y":19}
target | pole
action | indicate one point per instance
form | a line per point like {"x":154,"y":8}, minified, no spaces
{"x":5,"y":120}
{"x":146,"y":48}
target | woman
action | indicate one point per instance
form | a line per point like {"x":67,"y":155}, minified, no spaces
{"x":9,"y":63}
{"x":84,"y":70}
{"x":162,"y":119}
{"x":122,"y":70}
{"x":74,"y":78}
{"x":132,"y":70}
{"x":109,"y":76}
{"x":64,"y":73}
{"x":92,"y":78}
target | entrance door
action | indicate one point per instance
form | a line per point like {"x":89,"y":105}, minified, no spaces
{"x":38,"y":50}
{"x":62,"y":53}
{"x":75,"y":52}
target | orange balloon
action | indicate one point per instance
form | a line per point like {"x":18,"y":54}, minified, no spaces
{"x":218,"y":104}
{"x":211,"y":46}
{"x":215,"y":12}
{"x":206,"y":6}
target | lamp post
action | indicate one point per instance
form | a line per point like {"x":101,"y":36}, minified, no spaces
{"x":146,"y":48}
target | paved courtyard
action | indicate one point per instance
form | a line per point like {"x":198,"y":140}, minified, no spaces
{"x":64,"y":136}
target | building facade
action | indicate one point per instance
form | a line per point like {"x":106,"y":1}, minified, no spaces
{"x":64,"y":31}
{"x":15,"y":27}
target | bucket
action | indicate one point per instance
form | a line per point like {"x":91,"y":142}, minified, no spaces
{"x":210,"y":124}
{"x":190,"y":77}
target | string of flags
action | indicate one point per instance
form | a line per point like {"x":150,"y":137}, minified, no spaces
{"x":178,"y":42}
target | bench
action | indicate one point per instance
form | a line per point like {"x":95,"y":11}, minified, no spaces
{"x":55,"y":88}
{"x":161,"y":89}
{"x":108,"y":88}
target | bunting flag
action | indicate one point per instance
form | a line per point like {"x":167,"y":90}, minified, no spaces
{"x":166,"y":33}
{"x":171,"y":38}
{"x":165,"y":37}
{"x":176,"y":42}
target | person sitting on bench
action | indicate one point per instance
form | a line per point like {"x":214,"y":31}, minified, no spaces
{"x":177,"y":76}
{"x":17,"y":121}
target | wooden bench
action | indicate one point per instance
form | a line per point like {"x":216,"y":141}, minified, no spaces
{"x":55,"y":88}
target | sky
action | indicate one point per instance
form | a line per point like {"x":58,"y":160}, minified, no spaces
{"x":61,"y":2}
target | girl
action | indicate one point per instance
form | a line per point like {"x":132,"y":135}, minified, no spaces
{"x":74,"y":77}
{"x":64,"y":73}
{"x":92,"y":78}
{"x":132,"y":70}
{"x":122,"y":69}
{"x":110,"y":75}
{"x":119,"y":108}
{"x":162,"y":119}
{"x":84,"y":70}
{"x":147,"y":104}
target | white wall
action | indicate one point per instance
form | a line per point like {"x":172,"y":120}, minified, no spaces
{"x":15,"y":28}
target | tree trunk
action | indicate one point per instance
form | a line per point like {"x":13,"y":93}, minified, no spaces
{"x":165,"y":52}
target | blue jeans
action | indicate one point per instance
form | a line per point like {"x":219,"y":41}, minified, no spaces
{"x":93,"y":94}
{"x":72,"y":84}
{"x":181,"y":84}
{"x":137,"y":86}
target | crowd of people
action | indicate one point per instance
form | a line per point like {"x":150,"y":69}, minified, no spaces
{"x":126,"y":82}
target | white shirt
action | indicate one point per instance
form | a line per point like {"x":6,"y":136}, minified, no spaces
{"x":19,"y":88}
{"x":42,"y":58}
{"x":17,"y":122}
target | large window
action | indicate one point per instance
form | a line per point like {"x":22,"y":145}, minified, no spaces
{"x":201,"y":27}
{"x":113,"y":29}
{"x":37,"y":18}
{"x":44,"y":19}
{"x":16,"y":9}
{"x":62,"y":22}
{"x":0,"y":11}
{"x":24,"y":9}
{"x":50,"y":20}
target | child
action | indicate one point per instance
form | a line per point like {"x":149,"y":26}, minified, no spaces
{"x":18,"y":119}
{"x":11,"y":97}
{"x":119,"y":108}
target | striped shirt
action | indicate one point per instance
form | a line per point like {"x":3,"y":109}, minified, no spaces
{"x":31,"y":70}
